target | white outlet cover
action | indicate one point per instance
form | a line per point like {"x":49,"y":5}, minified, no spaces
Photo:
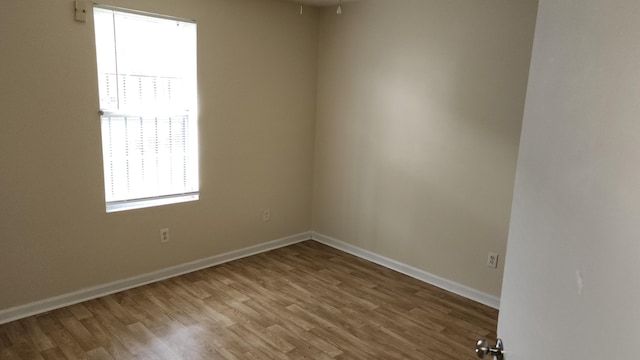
{"x":164,"y":235}
{"x":492,"y":260}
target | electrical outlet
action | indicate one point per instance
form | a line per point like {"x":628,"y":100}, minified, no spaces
{"x":266,"y":215}
{"x":81,"y":10}
{"x":164,"y":235}
{"x":492,"y":260}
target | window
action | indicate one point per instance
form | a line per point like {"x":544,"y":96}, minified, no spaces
{"x":147,"y":86}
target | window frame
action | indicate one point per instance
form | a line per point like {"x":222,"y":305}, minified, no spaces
{"x":193,"y":134}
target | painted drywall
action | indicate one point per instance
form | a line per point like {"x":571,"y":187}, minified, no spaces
{"x":419,"y":114}
{"x":572,"y":272}
{"x":257,"y":92}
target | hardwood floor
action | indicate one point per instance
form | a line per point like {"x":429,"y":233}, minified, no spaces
{"x":305,"y":301}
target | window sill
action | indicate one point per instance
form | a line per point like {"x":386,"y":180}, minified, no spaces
{"x":145,"y":203}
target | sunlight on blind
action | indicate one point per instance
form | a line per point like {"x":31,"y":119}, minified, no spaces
{"x":147,"y":87}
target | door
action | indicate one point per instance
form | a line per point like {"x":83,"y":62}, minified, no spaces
{"x":571,"y":287}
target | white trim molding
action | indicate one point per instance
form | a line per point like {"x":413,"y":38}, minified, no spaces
{"x":456,"y":288}
{"x":37,"y":307}
{"x":22,"y":311}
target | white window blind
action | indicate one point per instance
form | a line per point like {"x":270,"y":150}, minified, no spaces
{"x":147,"y":87}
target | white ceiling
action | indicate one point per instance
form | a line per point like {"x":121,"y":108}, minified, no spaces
{"x":321,"y":2}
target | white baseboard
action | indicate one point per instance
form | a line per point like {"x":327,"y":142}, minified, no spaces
{"x":93,"y":292}
{"x":37,"y":307}
{"x":462,"y":290}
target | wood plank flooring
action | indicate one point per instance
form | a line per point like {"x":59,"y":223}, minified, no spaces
{"x":305,"y":301}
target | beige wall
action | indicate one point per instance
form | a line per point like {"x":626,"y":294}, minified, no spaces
{"x":418,"y":115}
{"x":257,"y":84}
{"x":420,"y":105}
